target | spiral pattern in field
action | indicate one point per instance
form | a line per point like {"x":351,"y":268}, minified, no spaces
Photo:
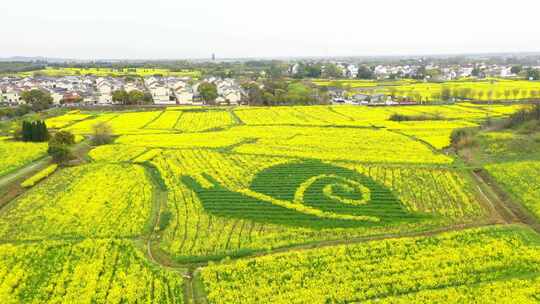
{"x":308,"y":193}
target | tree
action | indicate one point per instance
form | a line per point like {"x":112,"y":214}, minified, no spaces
{"x":63,"y":138}
{"x":533,"y":74}
{"x":135,"y":97}
{"x":364,"y":72}
{"x":101,"y":133}
{"x":59,"y":146}
{"x":481,"y":94}
{"x":208,"y":92}
{"x":164,"y":220}
{"x":26,"y":131}
{"x":120,"y":96}
{"x":39,"y":100}
{"x":465,"y":92}
{"x":420,"y":73}
{"x":507,"y":94}
{"x":60,"y":153}
{"x":445,"y":94}
{"x":534,"y":94}
{"x":300,"y":71}
{"x":253,"y":93}
{"x":332,"y":71}
{"x":313,"y":70}
{"x":515,"y":93}
{"x":490,"y":95}
{"x":275,"y":70}
{"x":35,"y":131}
{"x":516,"y":69}
{"x":147,"y":98}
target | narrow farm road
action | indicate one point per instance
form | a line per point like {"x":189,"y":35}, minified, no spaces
{"x":10,"y":187}
{"x":79,"y":149}
{"x":509,"y":210}
{"x":33,"y":166}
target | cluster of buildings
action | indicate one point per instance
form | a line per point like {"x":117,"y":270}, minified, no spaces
{"x":66,"y":90}
{"x":464,"y":71}
{"x":184,"y":91}
{"x":434,"y":72}
{"x":348,"y":70}
{"x":99,"y":90}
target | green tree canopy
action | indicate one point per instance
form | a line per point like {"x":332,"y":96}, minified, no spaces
{"x":39,"y":100}
{"x":120,"y":96}
{"x":332,"y":71}
{"x":135,"y":97}
{"x":364,"y":72}
{"x":208,"y":92}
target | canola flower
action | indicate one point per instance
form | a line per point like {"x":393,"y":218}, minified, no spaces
{"x":90,"y":271}
{"x":410,"y":270}
{"x":99,"y":200}
{"x":15,"y":155}
{"x":30,"y":182}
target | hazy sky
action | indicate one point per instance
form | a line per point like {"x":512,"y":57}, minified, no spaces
{"x":154,"y":29}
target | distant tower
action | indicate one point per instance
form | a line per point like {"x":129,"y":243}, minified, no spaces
{"x":213,"y":57}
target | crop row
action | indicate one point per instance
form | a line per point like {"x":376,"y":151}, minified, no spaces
{"x":36,"y":178}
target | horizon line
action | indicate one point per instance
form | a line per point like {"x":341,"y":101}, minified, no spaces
{"x":284,"y":57}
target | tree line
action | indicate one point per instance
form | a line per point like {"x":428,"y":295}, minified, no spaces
{"x":34,"y":131}
{"x":132,"y":97}
{"x":281,"y":92}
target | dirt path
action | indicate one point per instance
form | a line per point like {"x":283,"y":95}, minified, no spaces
{"x":10,"y":187}
{"x":510,"y":211}
{"x":498,"y":205}
{"x":6,"y":180}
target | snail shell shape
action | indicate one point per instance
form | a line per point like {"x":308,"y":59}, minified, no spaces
{"x":307,"y":193}
{"x":328,"y":191}
{"x":331,"y":191}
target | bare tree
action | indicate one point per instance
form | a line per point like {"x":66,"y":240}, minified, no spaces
{"x":101,"y":133}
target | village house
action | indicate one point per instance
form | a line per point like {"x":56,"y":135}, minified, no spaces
{"x":57,"y":95}
{"x":161,"y":94}
{"x":184,"y":95}
{"x":12,"y":95}
{"x":105,"y":90}
{"x":70,"y":98}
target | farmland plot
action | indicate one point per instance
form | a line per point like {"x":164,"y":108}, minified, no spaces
{"x":101,"y":200}
{"x":521,"y":180}
{"x":189,"y":185}
{"x":167,"y":120}
{"x":475,"y":264}
{"x":14,"y":154}
{"x":233,"y":203}
{"x":197,"y":121}
{"x":104,"y":271}
{"x":366,"y":145}
{"x":65,"y":120}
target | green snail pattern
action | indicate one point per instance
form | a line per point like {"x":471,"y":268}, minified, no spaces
{"x":309,"y":194}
